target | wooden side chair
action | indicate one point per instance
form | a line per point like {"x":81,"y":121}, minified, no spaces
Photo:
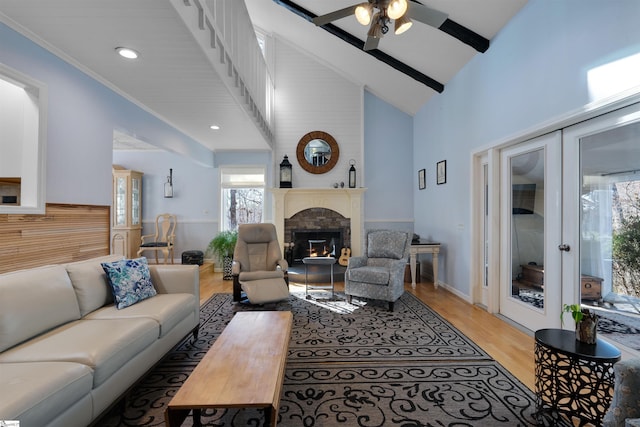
{"x":163,"y":239}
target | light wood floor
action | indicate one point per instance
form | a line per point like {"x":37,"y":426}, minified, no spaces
{"x":511,"y":347}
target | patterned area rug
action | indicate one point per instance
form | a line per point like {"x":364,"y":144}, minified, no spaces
{"x":356,"y":365}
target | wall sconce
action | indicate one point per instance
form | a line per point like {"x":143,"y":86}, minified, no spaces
{"x":168,"y":186}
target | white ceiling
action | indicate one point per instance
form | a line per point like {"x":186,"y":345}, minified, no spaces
{"x":175,"y":81}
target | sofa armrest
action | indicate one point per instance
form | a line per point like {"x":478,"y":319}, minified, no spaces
{"x":172,"y":279}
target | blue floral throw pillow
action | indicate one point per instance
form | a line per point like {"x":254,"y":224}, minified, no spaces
{"x":130,"y":281}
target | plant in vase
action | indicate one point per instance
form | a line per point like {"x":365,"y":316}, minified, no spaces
{"x":586,"y":322}
{"x":222,"y":246}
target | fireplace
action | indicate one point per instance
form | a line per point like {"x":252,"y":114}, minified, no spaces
{"x":321,"y":243}
{"x":320,"y":209}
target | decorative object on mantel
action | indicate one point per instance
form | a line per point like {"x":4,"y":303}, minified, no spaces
{"x":168,"y":186}
{"x":286,"y":173}
{"x":352,"y":174}
{"x":441,"y":172}
{"x":586,"y":322}
{"x":317,"y":152}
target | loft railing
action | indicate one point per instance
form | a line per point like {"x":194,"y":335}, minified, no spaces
{"x":236,"y":55}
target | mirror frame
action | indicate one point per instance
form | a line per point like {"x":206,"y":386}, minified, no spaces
{"x":302,"y":144}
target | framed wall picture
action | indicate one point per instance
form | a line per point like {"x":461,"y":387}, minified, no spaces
{"x":422,"y":179}
{"x":441,"y":172}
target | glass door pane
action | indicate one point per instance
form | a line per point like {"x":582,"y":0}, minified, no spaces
{"x":610,"y":231}
{"x":527,"y":227}
{"x":530,"y":218}
{"x":602,"y":178}
{"x":135,"y":201}
{"x":121,"y":201}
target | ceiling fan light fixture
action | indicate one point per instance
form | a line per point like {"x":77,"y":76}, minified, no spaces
{"x":402,"y":24}
{"x":397,"y":8}
{"x":363,"y":13}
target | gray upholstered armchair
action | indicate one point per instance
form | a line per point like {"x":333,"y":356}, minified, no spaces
{"x":258,"y":268}
{"x":379,"y":273}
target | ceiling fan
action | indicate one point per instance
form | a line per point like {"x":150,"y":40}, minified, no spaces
{"x":379,"y":14}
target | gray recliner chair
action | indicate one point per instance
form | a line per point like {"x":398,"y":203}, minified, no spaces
{"x":379,"y":273}
{"x":258,"y":268}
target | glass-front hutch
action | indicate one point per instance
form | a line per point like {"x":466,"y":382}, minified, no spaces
{"x":126,"y":218}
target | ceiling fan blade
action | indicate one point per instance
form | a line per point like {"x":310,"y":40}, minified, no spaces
{"x":426,"y":15}
{"x":371,"y":43}
{"x":335,"y":15}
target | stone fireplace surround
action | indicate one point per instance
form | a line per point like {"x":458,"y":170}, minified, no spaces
{"x":344,"y":202}
{"x":317,"y":224}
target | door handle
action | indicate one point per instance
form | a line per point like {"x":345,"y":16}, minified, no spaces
{"x":564,"y":247}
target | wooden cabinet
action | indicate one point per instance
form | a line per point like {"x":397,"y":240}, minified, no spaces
{"x":532,"y":275}
{"x":126,"y":213}
{"x":590,"y":286}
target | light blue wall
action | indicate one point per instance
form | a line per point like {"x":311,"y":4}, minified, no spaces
{"x":535,"y":71}
{"x":82,"y":115}
{"x":196,"y":191}
{"x":388,"y":152}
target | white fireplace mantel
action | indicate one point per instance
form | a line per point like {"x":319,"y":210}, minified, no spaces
{"x":348,"y":202}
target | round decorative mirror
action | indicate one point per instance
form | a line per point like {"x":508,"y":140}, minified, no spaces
{"x":317,"y":152}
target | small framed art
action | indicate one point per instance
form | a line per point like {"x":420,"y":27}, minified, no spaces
{"x":441,"y":172}
{"x":422,"y":179}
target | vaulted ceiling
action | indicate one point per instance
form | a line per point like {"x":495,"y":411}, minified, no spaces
{"x":175,"y":81}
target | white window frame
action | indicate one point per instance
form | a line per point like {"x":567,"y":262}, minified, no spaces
{"x":228,"y":181}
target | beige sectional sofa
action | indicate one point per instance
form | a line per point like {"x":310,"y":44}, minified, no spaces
{"x":67,"y":354}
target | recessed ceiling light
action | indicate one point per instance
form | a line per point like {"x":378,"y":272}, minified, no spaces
{"x":127,"y":52}
{"x":214,"y":127}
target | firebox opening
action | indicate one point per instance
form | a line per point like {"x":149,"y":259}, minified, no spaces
{"x":316,"y":243}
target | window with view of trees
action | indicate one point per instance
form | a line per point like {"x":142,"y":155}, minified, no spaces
{"x":242,"y":196}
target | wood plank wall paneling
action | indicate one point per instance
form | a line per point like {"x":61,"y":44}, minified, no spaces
{"x":65,"y":233}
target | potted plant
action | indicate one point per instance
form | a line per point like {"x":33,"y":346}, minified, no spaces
{"x":586,"y":322}
{"x":222,"y":247}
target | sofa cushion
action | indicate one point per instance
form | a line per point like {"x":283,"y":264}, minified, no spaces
{"x":34,"y":301}
{"x":386,"y":244}
{"x":36,"y":393}
{"x":103,"y":345}
{"x":91,"y":283}
{"x":130,"y":281}
{"x":372,"y":275}
{"x":166,"y":309}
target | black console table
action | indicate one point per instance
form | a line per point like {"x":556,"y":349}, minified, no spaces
{"x":573,"y":378}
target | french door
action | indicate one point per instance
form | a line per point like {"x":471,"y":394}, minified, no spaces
{"x":605,"y":177}
{"x":562,"y":199}
{"x":531,"y":232}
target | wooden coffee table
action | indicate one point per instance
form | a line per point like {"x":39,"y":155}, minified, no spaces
{"x":243,"y":369}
